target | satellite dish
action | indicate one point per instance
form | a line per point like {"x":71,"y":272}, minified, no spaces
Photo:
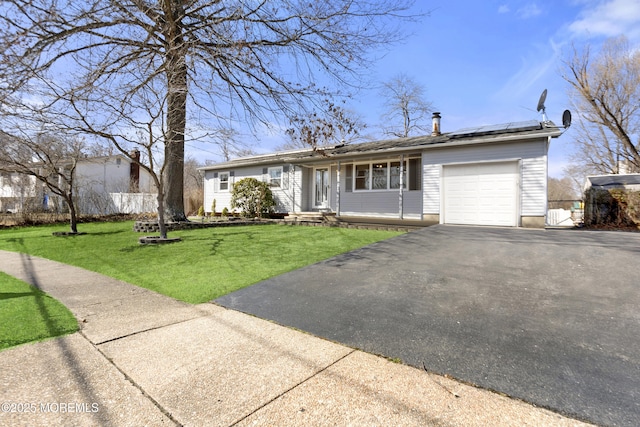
{"x":541,"y":107}
{"x":566,"y":118}
{"x":543,"y":98}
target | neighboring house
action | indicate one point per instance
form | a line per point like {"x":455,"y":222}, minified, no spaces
{"x":114,"y":184}
{"x":612,"y":200}
{"x":103,"y":185}
{"x":16,"y":191}
{"x":488,"y":175}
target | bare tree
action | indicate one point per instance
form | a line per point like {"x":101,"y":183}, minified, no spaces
{"x":331,"y":126}
{"x":230,"y":144}
{"x":87,"y":65}
{"x":605,"y":89}
{"x":577,"y":172}
{"x":51,"y":160}
{"x":560,"y":189}
{"x":406,"y":108}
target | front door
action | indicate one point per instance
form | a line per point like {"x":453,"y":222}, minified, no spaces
{"x":322,"y":188}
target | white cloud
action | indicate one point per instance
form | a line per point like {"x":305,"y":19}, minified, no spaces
{"x":535,"y":67}
{"x":529,"y":10}
{"x":609,"y":18}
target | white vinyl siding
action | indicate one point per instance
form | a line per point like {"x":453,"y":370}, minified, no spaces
{"x":288,"y":196}
{"x":431,"y":185}
{"x":532,"y":180}
{"x":380,"y":204}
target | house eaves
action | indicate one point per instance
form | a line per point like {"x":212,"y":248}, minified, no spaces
{"x":481,"y":135}
{"x":630,"y":181}
{"x":267,"y":159}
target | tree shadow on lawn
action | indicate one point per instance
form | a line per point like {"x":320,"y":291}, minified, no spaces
{"x":10,"y":295}
{"x":216,"y":239}
{"x":105,"y":233}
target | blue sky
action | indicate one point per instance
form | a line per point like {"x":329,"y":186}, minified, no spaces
{"x":487,"y":62}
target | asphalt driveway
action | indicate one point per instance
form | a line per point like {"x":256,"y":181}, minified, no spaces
{"x":548,"y":316}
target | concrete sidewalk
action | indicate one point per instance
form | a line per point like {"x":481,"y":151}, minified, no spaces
{"x":145,"y":359}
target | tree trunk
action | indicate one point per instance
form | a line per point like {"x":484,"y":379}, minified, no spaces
{"x":161,"y":219}
{"x":176,"y":71}
{"x":174,"y":157}
{"x":73,"y":216}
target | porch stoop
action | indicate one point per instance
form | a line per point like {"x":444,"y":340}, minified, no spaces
{"x":312,"y":217}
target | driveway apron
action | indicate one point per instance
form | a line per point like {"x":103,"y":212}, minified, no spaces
{"x":547,"y":316}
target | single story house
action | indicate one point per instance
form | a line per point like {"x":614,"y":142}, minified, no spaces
{"x":487,"y":175}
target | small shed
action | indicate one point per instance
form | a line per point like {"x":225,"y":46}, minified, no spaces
{"x":612,"y":200}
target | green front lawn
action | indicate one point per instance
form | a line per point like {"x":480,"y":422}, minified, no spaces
{"x":208,"y":263}
{"x":28,"y":314}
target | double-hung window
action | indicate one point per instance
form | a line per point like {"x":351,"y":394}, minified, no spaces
{"x":275,"y":177}
{"x":224,"y":181}
{"x":380,"y":176}
{"x":394,"y":175}
{"x":362,"y":177}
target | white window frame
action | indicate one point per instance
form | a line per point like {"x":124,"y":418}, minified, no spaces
{"x":369,"y":182}
{"x":405,"y":174}
{"x":220,"y":181}
{"x":275,"y":182}
{"x":367,"y":177}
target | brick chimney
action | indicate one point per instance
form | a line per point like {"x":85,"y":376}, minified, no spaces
{"x":134,"y":172}
{"x":436,"y":124}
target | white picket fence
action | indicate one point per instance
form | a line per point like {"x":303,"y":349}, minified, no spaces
{"x":134,"y":203}
{"x":560,"y":218}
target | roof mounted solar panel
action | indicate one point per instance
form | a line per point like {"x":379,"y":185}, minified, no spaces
{"x":497,"y":129}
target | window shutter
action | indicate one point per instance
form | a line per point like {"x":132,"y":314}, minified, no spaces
{"x":215,"y":174}
{"x":285,"y":168}
{"x":265,"y":171}
{"x":232,"y":173}
{"x":415,"y":174}
{"x":348,"y":178}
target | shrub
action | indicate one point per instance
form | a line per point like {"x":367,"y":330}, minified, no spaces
{"x":612,"y":207}
{"x":252,"y":197}
{"x":213,"y":207}
{"x":201,"y":211}
{"x":225,"y":212}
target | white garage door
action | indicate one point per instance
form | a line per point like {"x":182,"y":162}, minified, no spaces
{"x":481,"y":194}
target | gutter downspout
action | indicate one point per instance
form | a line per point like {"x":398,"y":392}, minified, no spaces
{"x":338,"y":190}
{"x":293,"y":187}
{"x":401,"y":194}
